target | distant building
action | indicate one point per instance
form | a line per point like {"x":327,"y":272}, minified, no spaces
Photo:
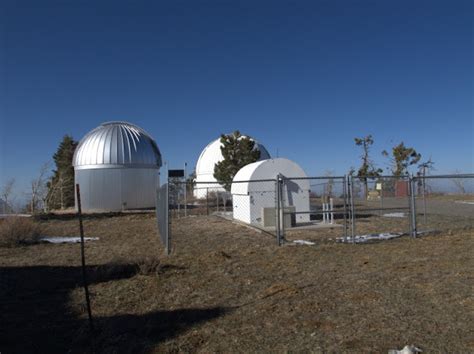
{"x":117,"y":168}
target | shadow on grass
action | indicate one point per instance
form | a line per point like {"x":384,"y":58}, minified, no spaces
{"x":94,"y":216}
{"x":36,"y":316}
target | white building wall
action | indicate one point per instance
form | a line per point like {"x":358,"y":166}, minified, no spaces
{"x":241,"y":210}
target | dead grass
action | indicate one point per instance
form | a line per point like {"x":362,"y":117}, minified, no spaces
{"x":16,"y":231}
{"x":228,"y":289}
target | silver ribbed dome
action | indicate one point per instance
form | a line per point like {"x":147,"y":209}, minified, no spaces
{"x":117,"y":144}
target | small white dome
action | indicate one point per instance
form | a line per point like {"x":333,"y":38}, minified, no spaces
{"x":117,"y":144}
{"x":266,"y":170}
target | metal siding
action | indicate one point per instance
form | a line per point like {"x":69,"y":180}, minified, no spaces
{"x":108,"y":189}
{"x":117,"y":143}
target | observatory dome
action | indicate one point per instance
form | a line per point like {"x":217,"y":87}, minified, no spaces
{"x":209,"y":157}
{"x":117,"y":167}
{"x":255,"y":191}
{"x":117,"y":144}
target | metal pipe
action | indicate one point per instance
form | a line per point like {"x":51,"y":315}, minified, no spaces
{"x":413,"y":211}
{"x":277,"y":210}
{"x":185,"y":191}
{"x":168,"y":221}
{"x":344,"y":193}
{"x":410,"y":206}
{"x":282,"y":209}
{"x":353,"y":230}
{"x":331,"y":204}
{"x":207,"y":201}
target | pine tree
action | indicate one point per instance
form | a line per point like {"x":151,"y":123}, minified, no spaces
{"x":403,"y":157}
{"x":61,"y":186}
{"x":238,"y":151}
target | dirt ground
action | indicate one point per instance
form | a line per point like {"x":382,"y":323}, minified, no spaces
{"x":227,"y":288}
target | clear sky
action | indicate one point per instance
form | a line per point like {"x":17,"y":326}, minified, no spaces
{"x":302,"y":77}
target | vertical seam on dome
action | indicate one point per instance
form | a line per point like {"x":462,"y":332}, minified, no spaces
{"x":113,"y":147}
{"x":91,"y":147}
{"x":121,"y":158}
{"x":101,"y":145}
{"x":132,"y":136}
{"x":125,"y":131}
{"x":88,"y":138}
{"x":108,"y":141}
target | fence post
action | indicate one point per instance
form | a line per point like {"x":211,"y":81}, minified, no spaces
{"x":277,"y":210}
{"x":185,"y":191}
{"x":344,"y":192}
{"x":83,"y":262}
{"x":331,"y":208}
{"x":351,"y":196}
{"x":168,"y":221}
{"x":410,"y":206}
{"x":413,"y":207}
{"x":424,"y":201}
{"x":282,"y":210}
{"x":207,"y":201}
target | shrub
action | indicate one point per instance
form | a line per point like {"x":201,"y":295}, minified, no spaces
{"x":16,"y":231}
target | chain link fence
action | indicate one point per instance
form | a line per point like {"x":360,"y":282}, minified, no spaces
{"x":162,"y":215}
{"x":444,"y":203}
{"x":341,"y":208}
{"x":314,"y":208}
{"x":380,"y":206}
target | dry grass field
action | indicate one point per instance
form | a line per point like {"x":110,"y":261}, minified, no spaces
{"x":227,"y":288}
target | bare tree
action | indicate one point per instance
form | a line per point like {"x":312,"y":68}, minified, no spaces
{"x":459,"y":183}
{"x":424,"y":168}
{"x":6,"y":193}
{"x":367,"y":169}
{"x":39,"y":188}
{"x":329,"y":186}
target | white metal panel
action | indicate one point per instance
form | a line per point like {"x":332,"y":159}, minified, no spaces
{"x":262,"y":195}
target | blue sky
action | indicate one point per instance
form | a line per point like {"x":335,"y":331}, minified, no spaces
{"x":302,"y":77}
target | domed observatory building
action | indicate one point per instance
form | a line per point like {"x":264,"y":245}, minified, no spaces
{"x":117,"y":168}
{"x":254,"y":202}
{"x":209,"y":157}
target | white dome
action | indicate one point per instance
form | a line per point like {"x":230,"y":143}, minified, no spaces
{"x":255,"y":191}
{"x":212,"y":154}
{"x":266,"y":170}
{"x":117,"y":144}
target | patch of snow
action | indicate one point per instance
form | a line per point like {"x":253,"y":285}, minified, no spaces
{"x":407,"y":349}
{"x":14,"y":215}
{"x":470,"y":202}
{"x":72,"y":239}
{"x":303,"y":242}
{"x":371,"y":237}
{"x":394,"y":215}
